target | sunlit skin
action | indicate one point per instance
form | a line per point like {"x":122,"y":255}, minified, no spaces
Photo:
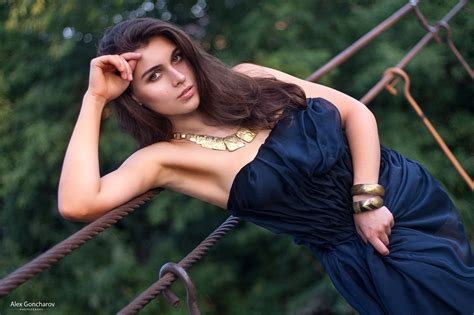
{"x":158,"y":75}
{"x":161,"y":75}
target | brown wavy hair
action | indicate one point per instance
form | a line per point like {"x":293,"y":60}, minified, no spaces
{"x":227,"y":97}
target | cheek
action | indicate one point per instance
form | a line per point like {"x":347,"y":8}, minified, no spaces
{"x":191,"y":73}
{"x":153,"y":93}
{"x":186,"y":68}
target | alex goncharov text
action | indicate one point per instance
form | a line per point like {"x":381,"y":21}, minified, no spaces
{"x":31,"y":304}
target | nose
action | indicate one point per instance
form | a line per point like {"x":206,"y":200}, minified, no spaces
{"x":177,"y":76}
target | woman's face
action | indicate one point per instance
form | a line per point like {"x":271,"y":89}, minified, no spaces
{"x":163,"y":80}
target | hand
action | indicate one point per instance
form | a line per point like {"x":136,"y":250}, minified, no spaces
{"x":110,"y":75}
{"x":375,"y":227}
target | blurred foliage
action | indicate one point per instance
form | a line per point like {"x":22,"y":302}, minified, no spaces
{"x":45,"y":50}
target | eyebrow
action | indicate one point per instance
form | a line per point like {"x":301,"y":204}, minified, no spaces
{"x":158,"y":67}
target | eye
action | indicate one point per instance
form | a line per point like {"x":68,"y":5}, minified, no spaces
{"x":177,"y":57}
{"x":155,"y":75}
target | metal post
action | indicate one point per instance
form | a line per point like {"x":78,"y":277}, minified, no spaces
{"x":361,"y":42}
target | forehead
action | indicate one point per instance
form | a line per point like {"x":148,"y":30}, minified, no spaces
{"x":157,"y":51}
{"x":157,"y":45}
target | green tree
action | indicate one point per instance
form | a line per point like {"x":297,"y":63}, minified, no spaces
{"x":46,"y":48}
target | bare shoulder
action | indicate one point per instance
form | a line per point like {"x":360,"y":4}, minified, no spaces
{"x":252,"y":70}
{"x":156,"y":151}
{"x":343,"y":102}
{"x":311,"y":89}
{"x":152,"y":153}
{"x":255,"y":70}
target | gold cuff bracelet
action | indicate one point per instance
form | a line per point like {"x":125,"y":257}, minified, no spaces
{"x":368,"y":204}
{"x":368,"y":189}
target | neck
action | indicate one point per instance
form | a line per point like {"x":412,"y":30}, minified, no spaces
{"x":198,"y":123}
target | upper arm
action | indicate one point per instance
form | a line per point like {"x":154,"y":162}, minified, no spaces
{"x":141,"y":172}
{"x":344,"y":103}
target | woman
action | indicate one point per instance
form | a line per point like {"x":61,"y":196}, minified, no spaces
{"x":290,"y":155}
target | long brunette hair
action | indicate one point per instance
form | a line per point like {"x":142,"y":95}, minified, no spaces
{"x":226,"y":96}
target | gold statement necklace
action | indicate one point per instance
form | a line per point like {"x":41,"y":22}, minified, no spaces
{"x":229,"y":143}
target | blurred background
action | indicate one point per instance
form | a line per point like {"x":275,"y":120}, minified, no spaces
{"x":45,"y":50}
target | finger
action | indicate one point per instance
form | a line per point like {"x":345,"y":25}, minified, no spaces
{"x":131,"y":56}
{"x":110,"y":63}
{"x":133,"y":64}
{"x":124,"y":71}
{"x":128,"y":69}
{"x":384,"y":239}
{"x":379,"y":246}
{"x":113,"y":64}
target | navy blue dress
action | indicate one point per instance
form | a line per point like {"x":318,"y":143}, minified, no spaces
{"x":299,"y":184}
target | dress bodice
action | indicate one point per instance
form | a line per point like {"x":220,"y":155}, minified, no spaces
{"x":300,"y":179}
{"x":299,"y":184}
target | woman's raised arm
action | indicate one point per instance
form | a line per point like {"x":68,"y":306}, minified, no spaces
{"x":362,"y":134}
{"x":82,"y":194}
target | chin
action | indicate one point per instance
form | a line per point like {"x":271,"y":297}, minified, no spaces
{"x":189,"y":108}
{"x":194,"y":103}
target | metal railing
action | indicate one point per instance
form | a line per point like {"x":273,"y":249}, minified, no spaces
{"x":170,"y":271}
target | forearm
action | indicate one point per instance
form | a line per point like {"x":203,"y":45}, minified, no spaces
{"x":80,"y":176}
{"x":361,"y":130}
{"x":362,"y":135}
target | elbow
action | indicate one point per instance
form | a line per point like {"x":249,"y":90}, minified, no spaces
{"x":363,"y":113}
{"x":73,"y":211}
{"x":371,"y":117}
{"x":360,"y":118}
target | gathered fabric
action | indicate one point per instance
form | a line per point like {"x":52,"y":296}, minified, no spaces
{"x":299,"y":184}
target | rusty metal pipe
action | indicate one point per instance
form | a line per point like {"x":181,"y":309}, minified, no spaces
{"x":163,"y":283}
{"x":454,"y":10}
{"x":361,"y":42}
{"x":379,"y":86}
{"x":455,"y":51}
{"x":425,"y":24}
{"x":444,"y":147}
{"x":60,"y":250}
{"x":179,"y":271}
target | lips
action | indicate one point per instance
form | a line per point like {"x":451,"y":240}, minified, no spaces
{"x":185,"y":91}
